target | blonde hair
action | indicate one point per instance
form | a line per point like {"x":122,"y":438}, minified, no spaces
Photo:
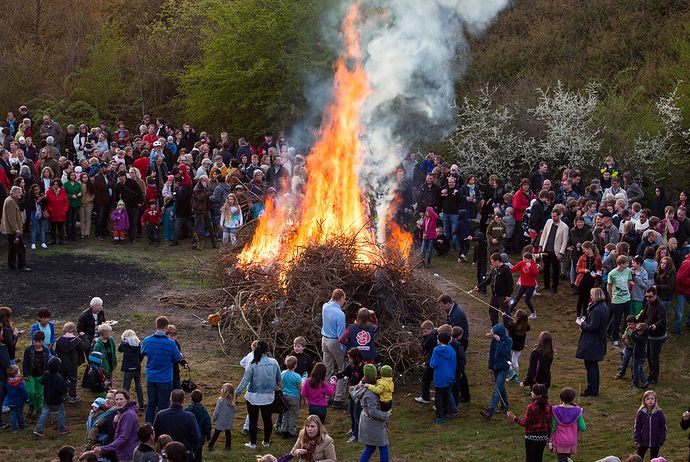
{"x":597,"y":294}
{"x":227,"y":393}
{"x":130,"y":337}
{"x":105,"y":328}
{"x":656,"y":402}
{"x":319,"y":435}
{"x":69,"y":328}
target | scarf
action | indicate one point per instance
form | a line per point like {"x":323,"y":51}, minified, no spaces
{"x":309,"y":445}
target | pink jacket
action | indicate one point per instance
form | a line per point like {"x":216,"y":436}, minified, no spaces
{"x":429,"y":224}
{"x":120,"y":220}
{"x":317,"y":396}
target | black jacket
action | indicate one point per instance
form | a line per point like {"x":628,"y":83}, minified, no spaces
{"x":539,"y":370}
{"x":180,"y":425}
{"x":279,"y":180}
{"x":428,"y":344}
{"x":453,"y":202}
{"x":429,"y":196}
{"x":501,"y":280}
{"x":71,"y":351}
{"x":4,"y":363}
{"x":129,"y":192}
{"x":183,"y":202}
{"x":29,"y":355}
{"x":592,"y":343}
{"x":54,"y":386}
{"x":87,"y":324}
{"x":456,"y":317}
{"x":655,"y":315}
{"x":665,"y":284}
{"x":537,"y":217}
{"x":131,"y":357}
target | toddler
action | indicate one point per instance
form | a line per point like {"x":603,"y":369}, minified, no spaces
{"x":384,"y":388}
{"x":16,"y":397}
{"x":120,"y":221}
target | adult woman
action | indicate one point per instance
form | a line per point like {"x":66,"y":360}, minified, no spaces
{"x":261,"y":379}
{"x":577,"y":236}
{"x":372,"y":422}
{"x":540,"y":360}
{"x":126,"y":425}
{"x":360,"y":334}
{"x":34,"y":205}
{"x":588,"y":268}
{"x":659,"y":202}
{"x":46,"y":179}
{"x":592,"y":344}
{"x":80,"y":140}
{"x":88,"y":193}
{"x":313,"y":443}
{"x":74,"y":194}
{"x":57,"y":205}
{"x":472,"y":196}
{"x":665,"y":281}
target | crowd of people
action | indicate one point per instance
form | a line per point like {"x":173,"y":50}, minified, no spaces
{"x":625,"y":257}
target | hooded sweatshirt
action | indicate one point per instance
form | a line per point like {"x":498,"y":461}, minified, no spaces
{"x":125,"y":433}
{"x":567,"y":420}
{"x":499,"y":352}
{"x":443,"y":363}
{"x":16,"y":392}
{"x":54,"y":386}
{"x":650,"y":428}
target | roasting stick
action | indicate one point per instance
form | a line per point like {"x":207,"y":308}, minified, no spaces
{"x":469,"y":292}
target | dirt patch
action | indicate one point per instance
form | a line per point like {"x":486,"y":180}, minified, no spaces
{"x":65,"y":284}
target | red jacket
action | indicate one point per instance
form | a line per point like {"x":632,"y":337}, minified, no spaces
{"x":521,"y":203}
{"x":683,"y":277}
{"x":528,"y":277}
{"x":151,"y":216}
{"x":429,"y":224}
{"x":582,"y":266}
{"x":142,"y":164}
{"x":57,"y":205}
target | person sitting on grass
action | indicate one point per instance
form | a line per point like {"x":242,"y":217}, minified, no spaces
{"x":314,"y":443}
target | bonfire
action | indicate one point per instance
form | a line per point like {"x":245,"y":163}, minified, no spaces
{"x":301,"y":250}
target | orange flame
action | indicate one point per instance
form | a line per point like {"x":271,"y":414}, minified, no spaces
{"x":333,"y":203}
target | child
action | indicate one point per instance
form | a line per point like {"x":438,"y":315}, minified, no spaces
{"x":245,"y":362}
{"x":650,"y":426}
{"x":529,"y":270}
{"x":537,"y":423}
{"x":120,"y":221}
{"x":316,"y":391}
{"x":509,"y":220}
{"x":201,"y":415}
{"x":71,"y":348}
{"x":130,"y":347}
{"x":499,"y":358}
{"x":46,"y":326}
{"x":428,"y":343}
{"x":480,"y":258}
{"x":429,"y":235}
{"x":168,"y":215}
{"x":223,"y":415}
{"x":150,"y":220}
{"x":461,"y":388}
{"x":353,"y":372}
{"x":540,"y":361}
{"x":106,"y":346}
{"x":168,"y":189}
{"x":443,"y":362}
{"x":163,"y":440}
{"x":55,"y":389}
{"x":518,"y":333}
{"x":304,"y":361}
{"x":151,"y":189}
{"x":640,"y":336}
{"x":292,"y":387}
{"x":16,"y":397}
{"x":34,"y":365}
{"x":384,"y":388}
{"x":144,"y":452}
{"x":566,"y":423}
{"x":231,"y":219}
{"x":628,"y":343}
{"x":441,"y":244}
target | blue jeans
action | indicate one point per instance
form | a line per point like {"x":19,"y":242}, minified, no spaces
{"x":159,"y":398}
{"x":626,"y":354}
{"x":17,"y":417}
{"x":369,"y":451}
{"x":43,"y":419}
{"x":3,"y":394}
{"x":450,"y":222}
{"x":427,"y":249}
{"x":680,"y":313}
{"x":355,"y":408}
{"x":38,"y":225}
{"x":639,"y":379}
{"x":499,"y":393}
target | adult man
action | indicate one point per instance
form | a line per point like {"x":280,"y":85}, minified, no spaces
{"x":553,"y":243}
{"x":537,"y":216}
{"x":50,"y":128}
{"x":655,"y":315}
{"x":537,"y":178}
{"x":333,"y":327}
{"x":277,"y":176}
{"x":683,"y":233}
{"x":616,"y":191}
{"x":451,"y":203}
{"x":180,"y":425}
{"x":243,"y":149}
{"x":455,"y":316}
{"x":501,"y":280}
{"x":201,"y":206}
{"x":151,"y":137}
{"x":183,"y":210}
{"x":429,"y":195}
{"x":13,"y":226}
{"x":161,"y":352}
{"x":111,"y":153}
{"x":91,"y":318}
{"x":128,"y":190}
{"x":103,"y":185}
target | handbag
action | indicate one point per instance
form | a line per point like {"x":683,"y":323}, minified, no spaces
{"x":278,"y":406}
{"x":188,"y":384}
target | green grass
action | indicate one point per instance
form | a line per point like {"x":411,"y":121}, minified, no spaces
{"x":413,"y":436}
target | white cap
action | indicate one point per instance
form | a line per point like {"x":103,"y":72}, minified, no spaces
{"x":50,"y":140}
{"x":77,"y":169}
{"x":22,"y":139}
{"x":156,"y":144}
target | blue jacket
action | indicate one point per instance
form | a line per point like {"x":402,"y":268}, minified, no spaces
{"x":499,"y":353}
{"x":51,"y":327}
{"x":16,"y":393}
{"x":464,"y":226}
{"x":443,"y":362}
{"x":261,"y":377}
{"x":160,"y":352}
{"x":202,"y":418}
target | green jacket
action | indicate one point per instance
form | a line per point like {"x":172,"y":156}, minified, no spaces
{"x":73,"y":190}
{"x":109,"y":353}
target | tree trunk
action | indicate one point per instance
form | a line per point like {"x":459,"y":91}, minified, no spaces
{"x":37,"y":25}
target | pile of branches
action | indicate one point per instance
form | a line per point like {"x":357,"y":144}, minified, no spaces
{"x":279,"y":304}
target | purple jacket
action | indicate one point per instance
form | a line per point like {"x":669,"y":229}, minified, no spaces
{"x":120,"y":220}
{"x":650,"y":430}
{"x":126,"y":440}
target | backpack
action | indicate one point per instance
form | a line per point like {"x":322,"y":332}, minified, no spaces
{"x":94,"y":377}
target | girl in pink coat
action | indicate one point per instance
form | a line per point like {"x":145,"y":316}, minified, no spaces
{"x":429,"y":235}
{"x":120,"y":221}
{"x":566,"y":425}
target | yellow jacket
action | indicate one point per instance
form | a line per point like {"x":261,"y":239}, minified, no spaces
{"x":383,"y":387}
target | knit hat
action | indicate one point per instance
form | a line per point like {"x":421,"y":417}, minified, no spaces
{"x":370,"y":372}
{"x":120,"y":203}
{"x":386,"y":371}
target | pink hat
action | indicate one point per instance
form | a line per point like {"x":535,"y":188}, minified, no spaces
{"x":658,"y":459}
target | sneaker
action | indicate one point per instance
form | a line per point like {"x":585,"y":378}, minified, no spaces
{"x":488,"y":413}
{"x":511,"y":374}
{"x":250,"y":446}
{"x":33,"y":246}
{"x":245,"y":431}
{"x":618,"y":376}
{"x":352,"y":439}
{"x":44,"y":246}
{"x":533,"y":316}
{"x":515,"y":379}
{"x":421,"y":400}
{"x":4,"y":426}
{"x":41,"y":434}
{"x":64,"y":432}
{"x":440,"y":421}
{"x":339,"y":405}
{"x":615,"y":343}
{"x":265,"y":444}
{"x":463,"y":258}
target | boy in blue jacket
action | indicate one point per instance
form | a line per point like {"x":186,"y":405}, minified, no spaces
{"x":45,"y":325}
{"x":499,"y":364}
{"x":443,"y":362}
{"x":16,"y":397}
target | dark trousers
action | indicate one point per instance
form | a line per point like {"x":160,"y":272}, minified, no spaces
{"x":427,"y":377}
{"x":152,"y":233}
{"x":518,"y":238}
{"x":534,"y":450}
{"x":653,"y":353}
{"x":618,"y":311}
{"x":527,"y":292}
{"x":133,"y":215}
{"x":101,"y":219}
{"x":57,"y":229}
{"x":159,"y":398}
{"x":583,"y":295}
{"x":16,"y":251}
{"x":320,"y":411}
{"x":253,"y":412}
{"x":482,"y":267}
{"x":442,"y":402}
{"x":204,"y":220}
{"x":653,"y":452}
{"x":498,"y":302}
{"x":3,"y":394}
{"x":71,"y":224}
{"x":552,"y":271}
{"x":71,"y":379}
{"x":592,"y":377}
{"x":355,"y":410}
{"x":463,"y":388}
{"x":127,"y":381}
{"x":182,"y":224}
{"x":214,"y":438}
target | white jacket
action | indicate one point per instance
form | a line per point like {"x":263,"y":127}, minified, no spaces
{"x":561,"y":241}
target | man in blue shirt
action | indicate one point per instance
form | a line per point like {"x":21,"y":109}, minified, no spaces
{"x":161,"y":352}
{"x":333,"y":326}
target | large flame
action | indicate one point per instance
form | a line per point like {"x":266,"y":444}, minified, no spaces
{"x":333,"y":203}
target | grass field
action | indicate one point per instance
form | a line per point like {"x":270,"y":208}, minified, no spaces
{"x":413,"y":435}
